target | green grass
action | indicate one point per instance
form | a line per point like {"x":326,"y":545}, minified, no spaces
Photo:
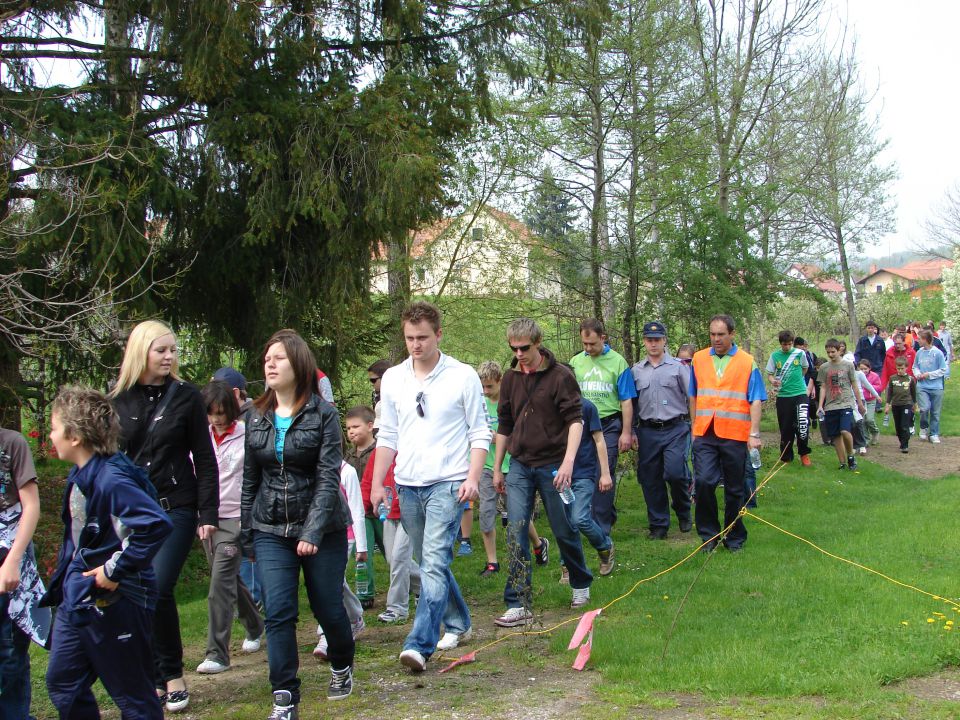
{"x":778,"y":630}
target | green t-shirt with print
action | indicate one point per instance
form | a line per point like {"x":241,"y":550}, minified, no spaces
{"x":598,"y":377}
{"x":793,"y":383}
{"x":494,"y":422}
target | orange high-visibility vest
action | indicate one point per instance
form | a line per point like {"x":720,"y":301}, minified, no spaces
{"x":723,"y":400}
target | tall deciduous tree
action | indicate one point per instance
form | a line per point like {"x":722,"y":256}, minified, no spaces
{"x":847,"y":201}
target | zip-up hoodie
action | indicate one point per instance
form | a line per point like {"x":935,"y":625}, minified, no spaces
{"x":119,"y":525}
{"x":536,"y":410}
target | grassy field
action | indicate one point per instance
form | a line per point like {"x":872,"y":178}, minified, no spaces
{"x":776,"y":631}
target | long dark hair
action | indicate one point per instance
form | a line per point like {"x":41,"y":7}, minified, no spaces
{"x":304,"y":366}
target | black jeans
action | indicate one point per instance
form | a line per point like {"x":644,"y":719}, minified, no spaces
{"x":713,"y":458}
{"x":793,"y":418}
{"x":903,"y":421}
{"x":167,"y":564}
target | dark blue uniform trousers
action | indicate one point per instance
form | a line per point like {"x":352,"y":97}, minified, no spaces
{"x":113,"y":645}
{"x":716,"y":459}
{"x":662,"y":463}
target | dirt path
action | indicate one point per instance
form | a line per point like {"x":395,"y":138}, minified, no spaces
{"x":925,"y":460}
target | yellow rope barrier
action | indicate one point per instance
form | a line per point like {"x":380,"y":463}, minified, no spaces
{"x":778,"y":466}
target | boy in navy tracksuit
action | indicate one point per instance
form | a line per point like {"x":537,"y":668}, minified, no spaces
{"x":104,"y":584}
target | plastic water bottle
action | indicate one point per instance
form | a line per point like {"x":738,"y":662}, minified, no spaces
{"x":886,"y":420}
{"x":364,"y":584}
{"x":383,"y":509}
{"x":566,"y":495}
{"x":755,"y":458}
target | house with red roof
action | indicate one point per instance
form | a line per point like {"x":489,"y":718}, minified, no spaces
{"x":918,"y":277}
{"x":815,"y":277}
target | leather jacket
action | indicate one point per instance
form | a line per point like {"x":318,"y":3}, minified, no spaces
{"x":299,"y":497}
{"x":178,"y":455}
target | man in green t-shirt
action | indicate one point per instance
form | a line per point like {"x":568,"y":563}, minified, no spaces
{"x":786,"y":370}
{"x":606,"y":381}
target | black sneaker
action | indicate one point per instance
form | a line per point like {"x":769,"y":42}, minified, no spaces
{"x":283,"y":707}
{"x":904,"y":450}
{"x":843,"y":466}
{"x":852,"y":462}
{"x":341,"y":684}
{"x":542,"y":553}
{"x":490,"y":569}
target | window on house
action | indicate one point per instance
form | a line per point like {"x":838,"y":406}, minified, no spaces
{"x":879,"y":288}
{"x":478,"y":233}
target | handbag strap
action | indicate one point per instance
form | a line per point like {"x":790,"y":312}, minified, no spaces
{"x":157,"y":417}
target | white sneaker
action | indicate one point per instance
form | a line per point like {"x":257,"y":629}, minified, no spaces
{"x":863,"y":451}
{"x":581,"y":596}
{"x":251,"y":645}
{"x":413,"y":660}
{"x":513,"y":617}
{"x":935,"y":439}
{"x":320,"y":651}
{"x":923,"y":434}
{"x":211,"y":667}
{"x":358,"y":627}
{"x":451,"y":640}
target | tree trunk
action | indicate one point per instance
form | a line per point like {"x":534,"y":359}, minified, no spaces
{"x":9,"y":384}
{"x":847,"y":286}
{"x":398,"y":290}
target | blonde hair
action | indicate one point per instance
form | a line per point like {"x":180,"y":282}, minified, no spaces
{"x":87,"y":416}
{"x":135,"y":354}
{"x":490,"y":371}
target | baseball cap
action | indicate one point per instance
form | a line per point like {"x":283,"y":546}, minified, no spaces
{"x":654,"y":330}
{"x":231,"y":377}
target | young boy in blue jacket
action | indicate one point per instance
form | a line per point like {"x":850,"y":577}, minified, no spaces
{"x":104,"y":584}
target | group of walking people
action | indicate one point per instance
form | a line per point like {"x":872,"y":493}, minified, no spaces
{"x":159,"y":462}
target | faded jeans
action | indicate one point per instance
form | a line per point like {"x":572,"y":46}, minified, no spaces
{"x":431,"y":518}
{"x":929,"y":402}
{"x":523,"y":481}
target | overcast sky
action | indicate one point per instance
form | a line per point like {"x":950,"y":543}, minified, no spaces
{"x":910,"y":53}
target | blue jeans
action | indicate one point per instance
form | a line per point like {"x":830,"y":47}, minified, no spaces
{"x":431,"y":518}
{"x":249,"y":575}
{"x":604,"y":511}
{"x":14,"y":666}
{"x":167,"y":564}
{"x":929,"y":402}
{"x":523,"y":482}
{"x":583,"y":514}
{"x":323,"y":572}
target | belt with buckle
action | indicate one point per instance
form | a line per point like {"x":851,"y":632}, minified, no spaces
{"x":164,"y":503}
{"x":658,"y":424}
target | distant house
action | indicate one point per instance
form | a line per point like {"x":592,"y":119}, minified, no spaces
{"x":483,"y":251}
{"x":815,"y":277}
{"x":919,"y":277}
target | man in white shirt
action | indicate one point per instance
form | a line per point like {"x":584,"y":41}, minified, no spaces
{"x":433,"y":421}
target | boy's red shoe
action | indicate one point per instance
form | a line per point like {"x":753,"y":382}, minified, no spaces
{"x":805,"y":460}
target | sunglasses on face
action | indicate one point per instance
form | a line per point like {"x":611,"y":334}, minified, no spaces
{"x":519,"y":348}
{"x":420,"y":404}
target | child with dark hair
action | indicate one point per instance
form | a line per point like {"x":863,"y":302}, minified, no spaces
{"x":227,"y":593}
{"x":902,"y":402}
{"x":104,"y":584}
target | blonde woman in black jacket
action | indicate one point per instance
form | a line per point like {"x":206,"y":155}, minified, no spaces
{"x":163,"y":423}
{"x":295,"y":518}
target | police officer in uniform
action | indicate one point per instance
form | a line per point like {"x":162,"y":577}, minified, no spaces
{"x":662,"y":431}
